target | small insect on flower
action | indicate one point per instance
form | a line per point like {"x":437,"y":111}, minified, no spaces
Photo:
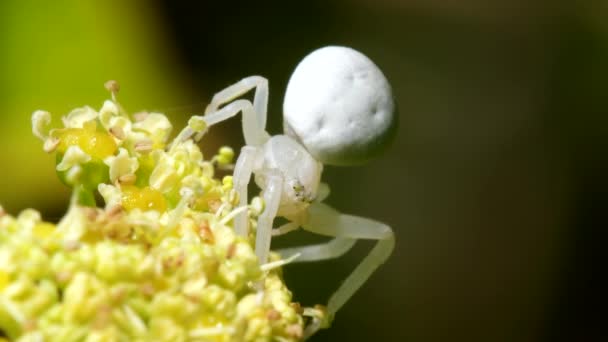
{"x":338,"y":110}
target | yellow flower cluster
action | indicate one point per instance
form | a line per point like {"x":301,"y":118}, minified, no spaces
{"x":158,"y":261}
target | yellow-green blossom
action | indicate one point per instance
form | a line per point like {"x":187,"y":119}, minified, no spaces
{"x":158,"y":260}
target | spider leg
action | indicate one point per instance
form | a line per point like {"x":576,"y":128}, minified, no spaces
{"x":322,"y":192}
{"x":325,"y":220}
{"x":241,"y":178}
{"x":254,"y":116}
{"x":272,"y":196}
{"x":286,"y":228}
{"x":254,"y":134}
{"x":260,"y":100}
{"x":333,"y":249}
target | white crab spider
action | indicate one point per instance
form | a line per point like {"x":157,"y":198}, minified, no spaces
{"x":338,"y":110}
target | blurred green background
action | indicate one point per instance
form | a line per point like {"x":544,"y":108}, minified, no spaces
{"x":495,"y":185}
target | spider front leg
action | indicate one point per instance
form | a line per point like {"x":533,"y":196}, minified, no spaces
{"x":272,"y":197}
{"x":254,"y":132}
{"x":260,"y":99}
{"x":325,"y":220}
{"x":254,"y":135}
{"x":254,"y":117}
{"x":241,"y":178}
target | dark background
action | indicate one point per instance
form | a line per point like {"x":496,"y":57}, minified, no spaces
{"x":495,"y":185}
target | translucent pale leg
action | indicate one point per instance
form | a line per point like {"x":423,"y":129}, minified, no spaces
{"x":241,"y":177}
{"x":286,"y":228}
{"x":329,"y":250}
{"x":322,"y":192}
{"x":260,"y":99}
{"x":272,"y":197}
{"x":325,"y":220}
{"x":254,"y":134}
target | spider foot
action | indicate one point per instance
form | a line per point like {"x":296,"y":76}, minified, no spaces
{"x":320,"y":318}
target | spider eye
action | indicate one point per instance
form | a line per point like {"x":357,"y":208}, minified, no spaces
{"x":299,"y":191}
